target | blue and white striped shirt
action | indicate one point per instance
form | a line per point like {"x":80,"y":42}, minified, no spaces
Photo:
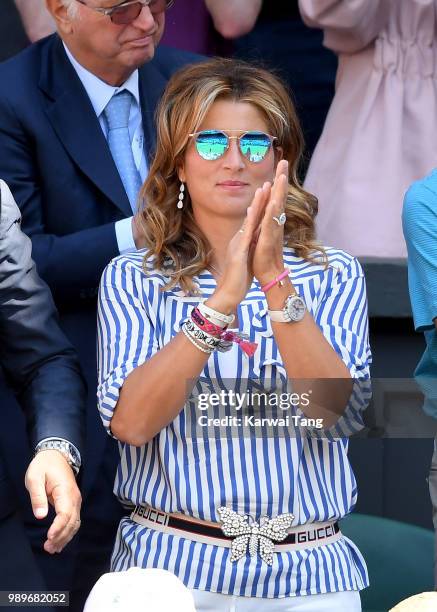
{"x":307,"y":475}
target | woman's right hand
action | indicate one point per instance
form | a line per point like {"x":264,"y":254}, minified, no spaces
{"x":237,"y":275}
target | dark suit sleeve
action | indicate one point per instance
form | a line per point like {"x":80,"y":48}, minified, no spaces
{"x":37,"y":359}
{"x":71,"y":264}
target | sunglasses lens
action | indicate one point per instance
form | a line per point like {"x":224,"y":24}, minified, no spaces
{"x":255,"y":146}
{"x":126,"y":14}
{"x":211,"y":144}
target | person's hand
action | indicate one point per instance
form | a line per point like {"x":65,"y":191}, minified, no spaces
{"x":237,"y":275}
{"x":268,"y":259}
{"x":49,"y":479}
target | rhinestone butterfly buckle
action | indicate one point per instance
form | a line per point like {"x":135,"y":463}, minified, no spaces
{"x":255,"y":537}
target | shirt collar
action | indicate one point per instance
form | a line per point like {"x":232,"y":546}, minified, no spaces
{"x":98,"y":91}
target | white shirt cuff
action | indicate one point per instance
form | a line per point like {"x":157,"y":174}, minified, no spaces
{"x":123,"y":233}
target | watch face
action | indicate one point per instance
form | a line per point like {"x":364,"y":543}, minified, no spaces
{"x":296,"y":308}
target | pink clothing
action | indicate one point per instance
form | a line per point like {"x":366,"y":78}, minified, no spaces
{"x":381,"y":131}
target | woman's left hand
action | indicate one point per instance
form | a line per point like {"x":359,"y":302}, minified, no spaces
{"x":268,"y":259}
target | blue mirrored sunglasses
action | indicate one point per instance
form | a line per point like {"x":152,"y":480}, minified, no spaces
{"x":213,"y":144}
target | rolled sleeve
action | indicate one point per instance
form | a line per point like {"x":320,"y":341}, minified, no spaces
{"x":126,"y":336}
{"x":342,"y":317}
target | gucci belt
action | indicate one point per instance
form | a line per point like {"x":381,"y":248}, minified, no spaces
{"x":240,"y":533}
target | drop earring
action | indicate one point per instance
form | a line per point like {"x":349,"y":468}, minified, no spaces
{"x":181,"y":196}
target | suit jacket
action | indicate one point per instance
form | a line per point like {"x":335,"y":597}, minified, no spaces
{"x":36,"y":357}
{"x":57,"y":162}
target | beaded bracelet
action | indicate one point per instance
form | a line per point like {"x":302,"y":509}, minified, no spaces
{"x":201,"y":336}
{"x":210,"y":313}
{"x":196,"y":344}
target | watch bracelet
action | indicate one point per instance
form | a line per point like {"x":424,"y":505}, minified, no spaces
{"x":64,"y":447}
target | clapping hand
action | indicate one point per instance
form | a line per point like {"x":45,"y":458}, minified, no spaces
{"x":256,"y":249}
{"x":267,"y":260}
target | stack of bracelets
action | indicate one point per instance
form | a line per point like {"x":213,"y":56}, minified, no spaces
{"x":207,"y":330}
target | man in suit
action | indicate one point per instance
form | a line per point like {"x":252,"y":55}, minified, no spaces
{"x":40,"y":364}
{"x":75,"y":172}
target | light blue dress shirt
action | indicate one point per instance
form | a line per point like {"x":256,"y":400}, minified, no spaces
{"x":99,"y":94}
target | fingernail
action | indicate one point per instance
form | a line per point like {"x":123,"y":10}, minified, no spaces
{"x":40,"y":512}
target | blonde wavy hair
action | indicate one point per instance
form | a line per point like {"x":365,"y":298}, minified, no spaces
{"x":173,"y":240}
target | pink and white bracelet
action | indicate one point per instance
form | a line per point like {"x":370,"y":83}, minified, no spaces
{"x":215,"y":315}
{"x":277,"y":280}
{"x":202,"y":323}
{"x":205,"y":332}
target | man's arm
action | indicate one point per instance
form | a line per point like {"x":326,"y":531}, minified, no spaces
{"x":36,"y":19}
{"x":36,"y":356}
{"x":234,"y":18}
{"x":42,"y":368}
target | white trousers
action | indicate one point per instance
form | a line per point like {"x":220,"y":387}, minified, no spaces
{"x":344,"y":601}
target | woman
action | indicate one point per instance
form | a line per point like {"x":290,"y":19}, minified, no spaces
{"x":375,"y":141}
{"x":222,"y":191}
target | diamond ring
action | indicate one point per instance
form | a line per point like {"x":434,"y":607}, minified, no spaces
{"x":281,"y":219}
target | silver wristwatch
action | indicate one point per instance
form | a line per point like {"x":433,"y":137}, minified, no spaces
{"x":69,"y":451}
{"x":294,"y":310}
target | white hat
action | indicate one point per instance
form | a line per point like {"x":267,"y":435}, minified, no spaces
{"x":425,"y":602}
{"x":139,"y":590}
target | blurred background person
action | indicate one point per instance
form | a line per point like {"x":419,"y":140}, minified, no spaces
{"x":274,"y":35}
{"x":22,"y":22}
{"x":189,"y":26}
{"x":379,"y":134}
{"x":419,"y":219}
{"x":36,"y":19}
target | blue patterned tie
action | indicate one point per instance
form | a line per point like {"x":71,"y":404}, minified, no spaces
{"x":117,"y":114}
